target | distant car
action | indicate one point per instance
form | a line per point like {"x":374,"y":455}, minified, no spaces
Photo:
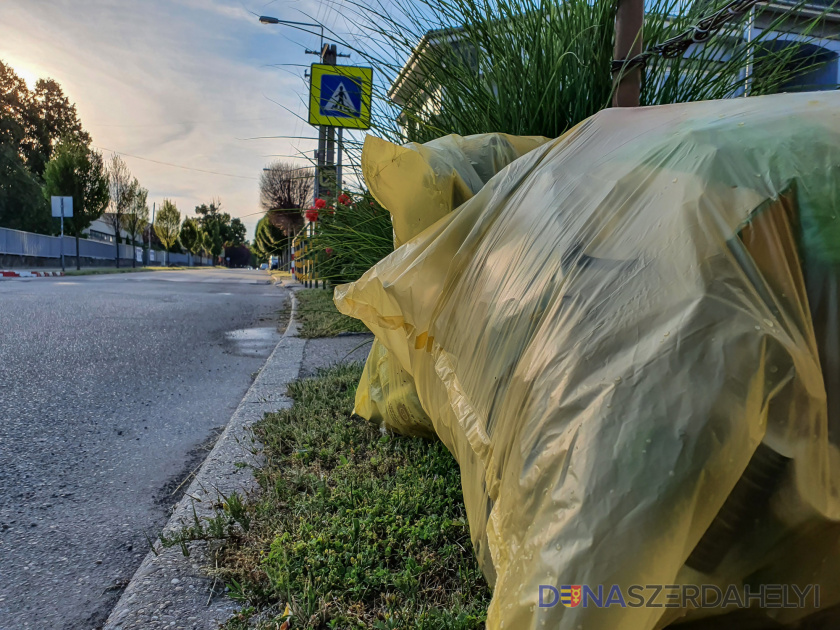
{"x":264,"y":266}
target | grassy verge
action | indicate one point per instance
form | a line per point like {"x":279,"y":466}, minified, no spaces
{"x":318,"y":316}
{"x":353,"y":528}
{"x":110,"y":270}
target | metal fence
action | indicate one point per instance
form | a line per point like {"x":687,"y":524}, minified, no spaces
{"x":20,"y":243}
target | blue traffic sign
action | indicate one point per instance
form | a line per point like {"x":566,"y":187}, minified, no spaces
{"x":341,"y":96}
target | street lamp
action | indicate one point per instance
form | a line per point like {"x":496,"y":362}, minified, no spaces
{"x":265,"y":19}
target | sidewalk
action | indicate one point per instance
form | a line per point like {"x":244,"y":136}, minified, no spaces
{"x":170,"y":590}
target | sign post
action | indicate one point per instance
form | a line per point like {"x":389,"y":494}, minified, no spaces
{"x":339,"y":97}
{"x":62,"y":207}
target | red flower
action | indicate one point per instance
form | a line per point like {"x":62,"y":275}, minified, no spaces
{"x":344,"y":199}
{"x":329,"y":251}
{"x":320,"y":203}
{"x":312,"y":214}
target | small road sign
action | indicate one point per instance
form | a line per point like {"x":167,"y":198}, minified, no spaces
{"x":62,"y":207}
{"x":340,"y":96}
{"x":58,"y":203}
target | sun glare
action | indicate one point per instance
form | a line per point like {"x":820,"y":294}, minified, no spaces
{"x":29,"y":76}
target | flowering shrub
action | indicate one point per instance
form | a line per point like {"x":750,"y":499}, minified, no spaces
{"x":353,"y":234}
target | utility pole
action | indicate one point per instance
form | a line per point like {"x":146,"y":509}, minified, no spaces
{"x":324,"y":178}
{"x":151,"y":227}
{"x":629,"y":20}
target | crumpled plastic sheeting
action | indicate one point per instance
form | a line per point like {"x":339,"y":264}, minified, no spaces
{"x":612,"y":329}
{"x":419,"y":184}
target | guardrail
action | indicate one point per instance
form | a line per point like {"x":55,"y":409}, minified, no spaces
{"x":18,"y":243}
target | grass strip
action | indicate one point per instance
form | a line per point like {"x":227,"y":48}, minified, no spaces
{"x":318,"y":316}
{"x":111,"y":270}
{"x":353,"y":528}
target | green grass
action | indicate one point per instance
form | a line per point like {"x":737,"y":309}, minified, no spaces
{"x":538,"y":67}
{"x":318,"y":316}
{"x":103,"y":271}
{"x":353,"y":528}
{"x":109,"y":270}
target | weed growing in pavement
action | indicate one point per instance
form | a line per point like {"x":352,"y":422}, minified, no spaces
{"x":352,"y":528}
{"x":230,"y":512}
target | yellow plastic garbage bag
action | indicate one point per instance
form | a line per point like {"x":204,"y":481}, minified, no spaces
{"x":625,"y":338}
{"x":419,"y":184}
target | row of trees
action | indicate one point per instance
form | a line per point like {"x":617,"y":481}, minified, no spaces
{"x":208,"y":234}
{"x":44,"y":151}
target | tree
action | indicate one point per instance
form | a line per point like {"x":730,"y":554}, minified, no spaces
{"x":269,"y":239}
{"x":15,"y":104}
{"x":79,"y":172}
{"x":284,"y":191}
{"x":216,"y":245}
{"x":190,"y":236}
{"x":237,"y":233}
{"x":54,"y":120}
{"x":22,"y":203}
{"x":211,"y":213}
{"x":167,"y":225}
{"x":36,"y":122}
{"x":121,"y":193}
{"x":32,"y":125}
{"x":136,"y":216}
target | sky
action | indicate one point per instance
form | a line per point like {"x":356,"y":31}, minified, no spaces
{"x":184,"y":82}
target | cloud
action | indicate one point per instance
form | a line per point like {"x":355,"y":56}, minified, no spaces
{"x":179,"y":81}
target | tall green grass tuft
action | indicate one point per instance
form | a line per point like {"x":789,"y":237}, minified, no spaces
{"x":351,"y":238}
{"x":538,"y":67}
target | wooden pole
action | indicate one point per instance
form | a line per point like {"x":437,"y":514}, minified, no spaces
{"x":629,"y":21}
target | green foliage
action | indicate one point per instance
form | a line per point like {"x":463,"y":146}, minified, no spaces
{"x":237,"y":233}
{"x":353,"y":528}
{"x":216,"y":241}
{"x":530,"y":67}
{"x":33,"y":122}
{"x":22,"y":203}
{"x":136,"y":216}
{"x":79,"y":172}
{"x":190,"y":237}
{"x":168,"y":223}
{"x":269,"y":239}
{"x":31,"y":125}
{"x":318,"y":316}
{"x":230,"y":512}
{"x":352,"y":239}
{"x":55,"y":119}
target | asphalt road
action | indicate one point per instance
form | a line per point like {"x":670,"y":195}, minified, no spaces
{"x":111,"y":390}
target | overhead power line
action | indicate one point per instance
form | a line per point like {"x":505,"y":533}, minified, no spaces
{"x":181,"y":166}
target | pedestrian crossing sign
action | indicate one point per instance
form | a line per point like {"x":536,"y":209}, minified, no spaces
{"x":340,"y":96}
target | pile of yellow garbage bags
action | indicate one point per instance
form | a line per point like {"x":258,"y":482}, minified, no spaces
{"x":629,"y":339}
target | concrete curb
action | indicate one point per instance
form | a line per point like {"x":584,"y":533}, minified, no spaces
{"x":30,"y":274}
{"x":169,"y":590}
{"x":292,"y":326}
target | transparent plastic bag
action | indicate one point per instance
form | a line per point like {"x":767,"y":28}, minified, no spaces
{"x":626,"y":338}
